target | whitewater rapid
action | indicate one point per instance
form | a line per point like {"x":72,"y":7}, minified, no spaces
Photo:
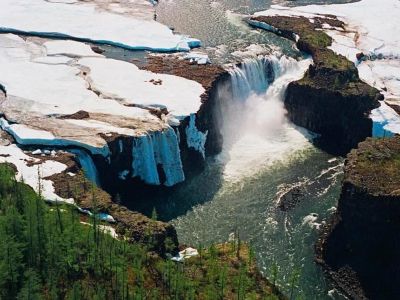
{"x":256,"y":131}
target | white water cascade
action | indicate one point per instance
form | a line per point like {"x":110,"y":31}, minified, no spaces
{"x":252,"y":76}
{"x":256,"y":131}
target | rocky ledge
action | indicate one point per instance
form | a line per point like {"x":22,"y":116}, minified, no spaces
{"x":155,"y":235}
{"x":330,"y":100}
{"x":360,"y":248}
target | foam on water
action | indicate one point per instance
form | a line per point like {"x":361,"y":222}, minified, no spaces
{"x":256,"y":130}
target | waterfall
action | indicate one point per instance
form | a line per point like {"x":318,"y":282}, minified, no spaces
{"x":255,"y":129}
{"x":251,"y":76}
{"x":87,"y":164}
{"x":254,"y":75}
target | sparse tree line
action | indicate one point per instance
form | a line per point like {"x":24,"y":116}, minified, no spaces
{"x":47,"y":253}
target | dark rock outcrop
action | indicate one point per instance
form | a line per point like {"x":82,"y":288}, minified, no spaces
{"x":360,"y":248}
{"x":393,"y":104}
{"x":340,"y":117}
{"x":79,"y":115}
{"x":3,"y":90}
{"x":330,"y":100}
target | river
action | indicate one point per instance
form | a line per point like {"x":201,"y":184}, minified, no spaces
{"x":264,"y":157}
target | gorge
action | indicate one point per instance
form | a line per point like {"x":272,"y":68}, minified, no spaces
{"x":240,"y":137}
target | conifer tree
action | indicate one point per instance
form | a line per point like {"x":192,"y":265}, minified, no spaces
{"x":31,"y":288}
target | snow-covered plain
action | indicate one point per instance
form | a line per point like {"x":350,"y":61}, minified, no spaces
{"x":33,"y":172}
{"x":50,"y":80}
{"x":128,"y":24}
{"x":118,"y":79}
{"x":68,"y":48}
{"x":31,"y":169}
{"x":373,"y":28}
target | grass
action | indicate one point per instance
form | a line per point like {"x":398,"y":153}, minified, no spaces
{"x":318,"y":39}
{"x":330,"y":70}
{"x":375,"y":166}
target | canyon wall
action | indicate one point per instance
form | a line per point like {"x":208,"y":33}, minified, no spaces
{"x":340,"y":118}
{"x":359,"y":249}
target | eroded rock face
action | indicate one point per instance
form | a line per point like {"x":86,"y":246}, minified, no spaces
{"x":341,"y":119}
{"x":360,"y":249}
{"x":208,"y":121}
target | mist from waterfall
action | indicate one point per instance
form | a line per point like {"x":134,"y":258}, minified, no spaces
{"x":255,"y":128}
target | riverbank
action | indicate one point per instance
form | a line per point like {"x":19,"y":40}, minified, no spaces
{"x":360,"y":243}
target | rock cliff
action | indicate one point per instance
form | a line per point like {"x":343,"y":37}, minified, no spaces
{"x":360,"y":247}
{"x":330,"y":100}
